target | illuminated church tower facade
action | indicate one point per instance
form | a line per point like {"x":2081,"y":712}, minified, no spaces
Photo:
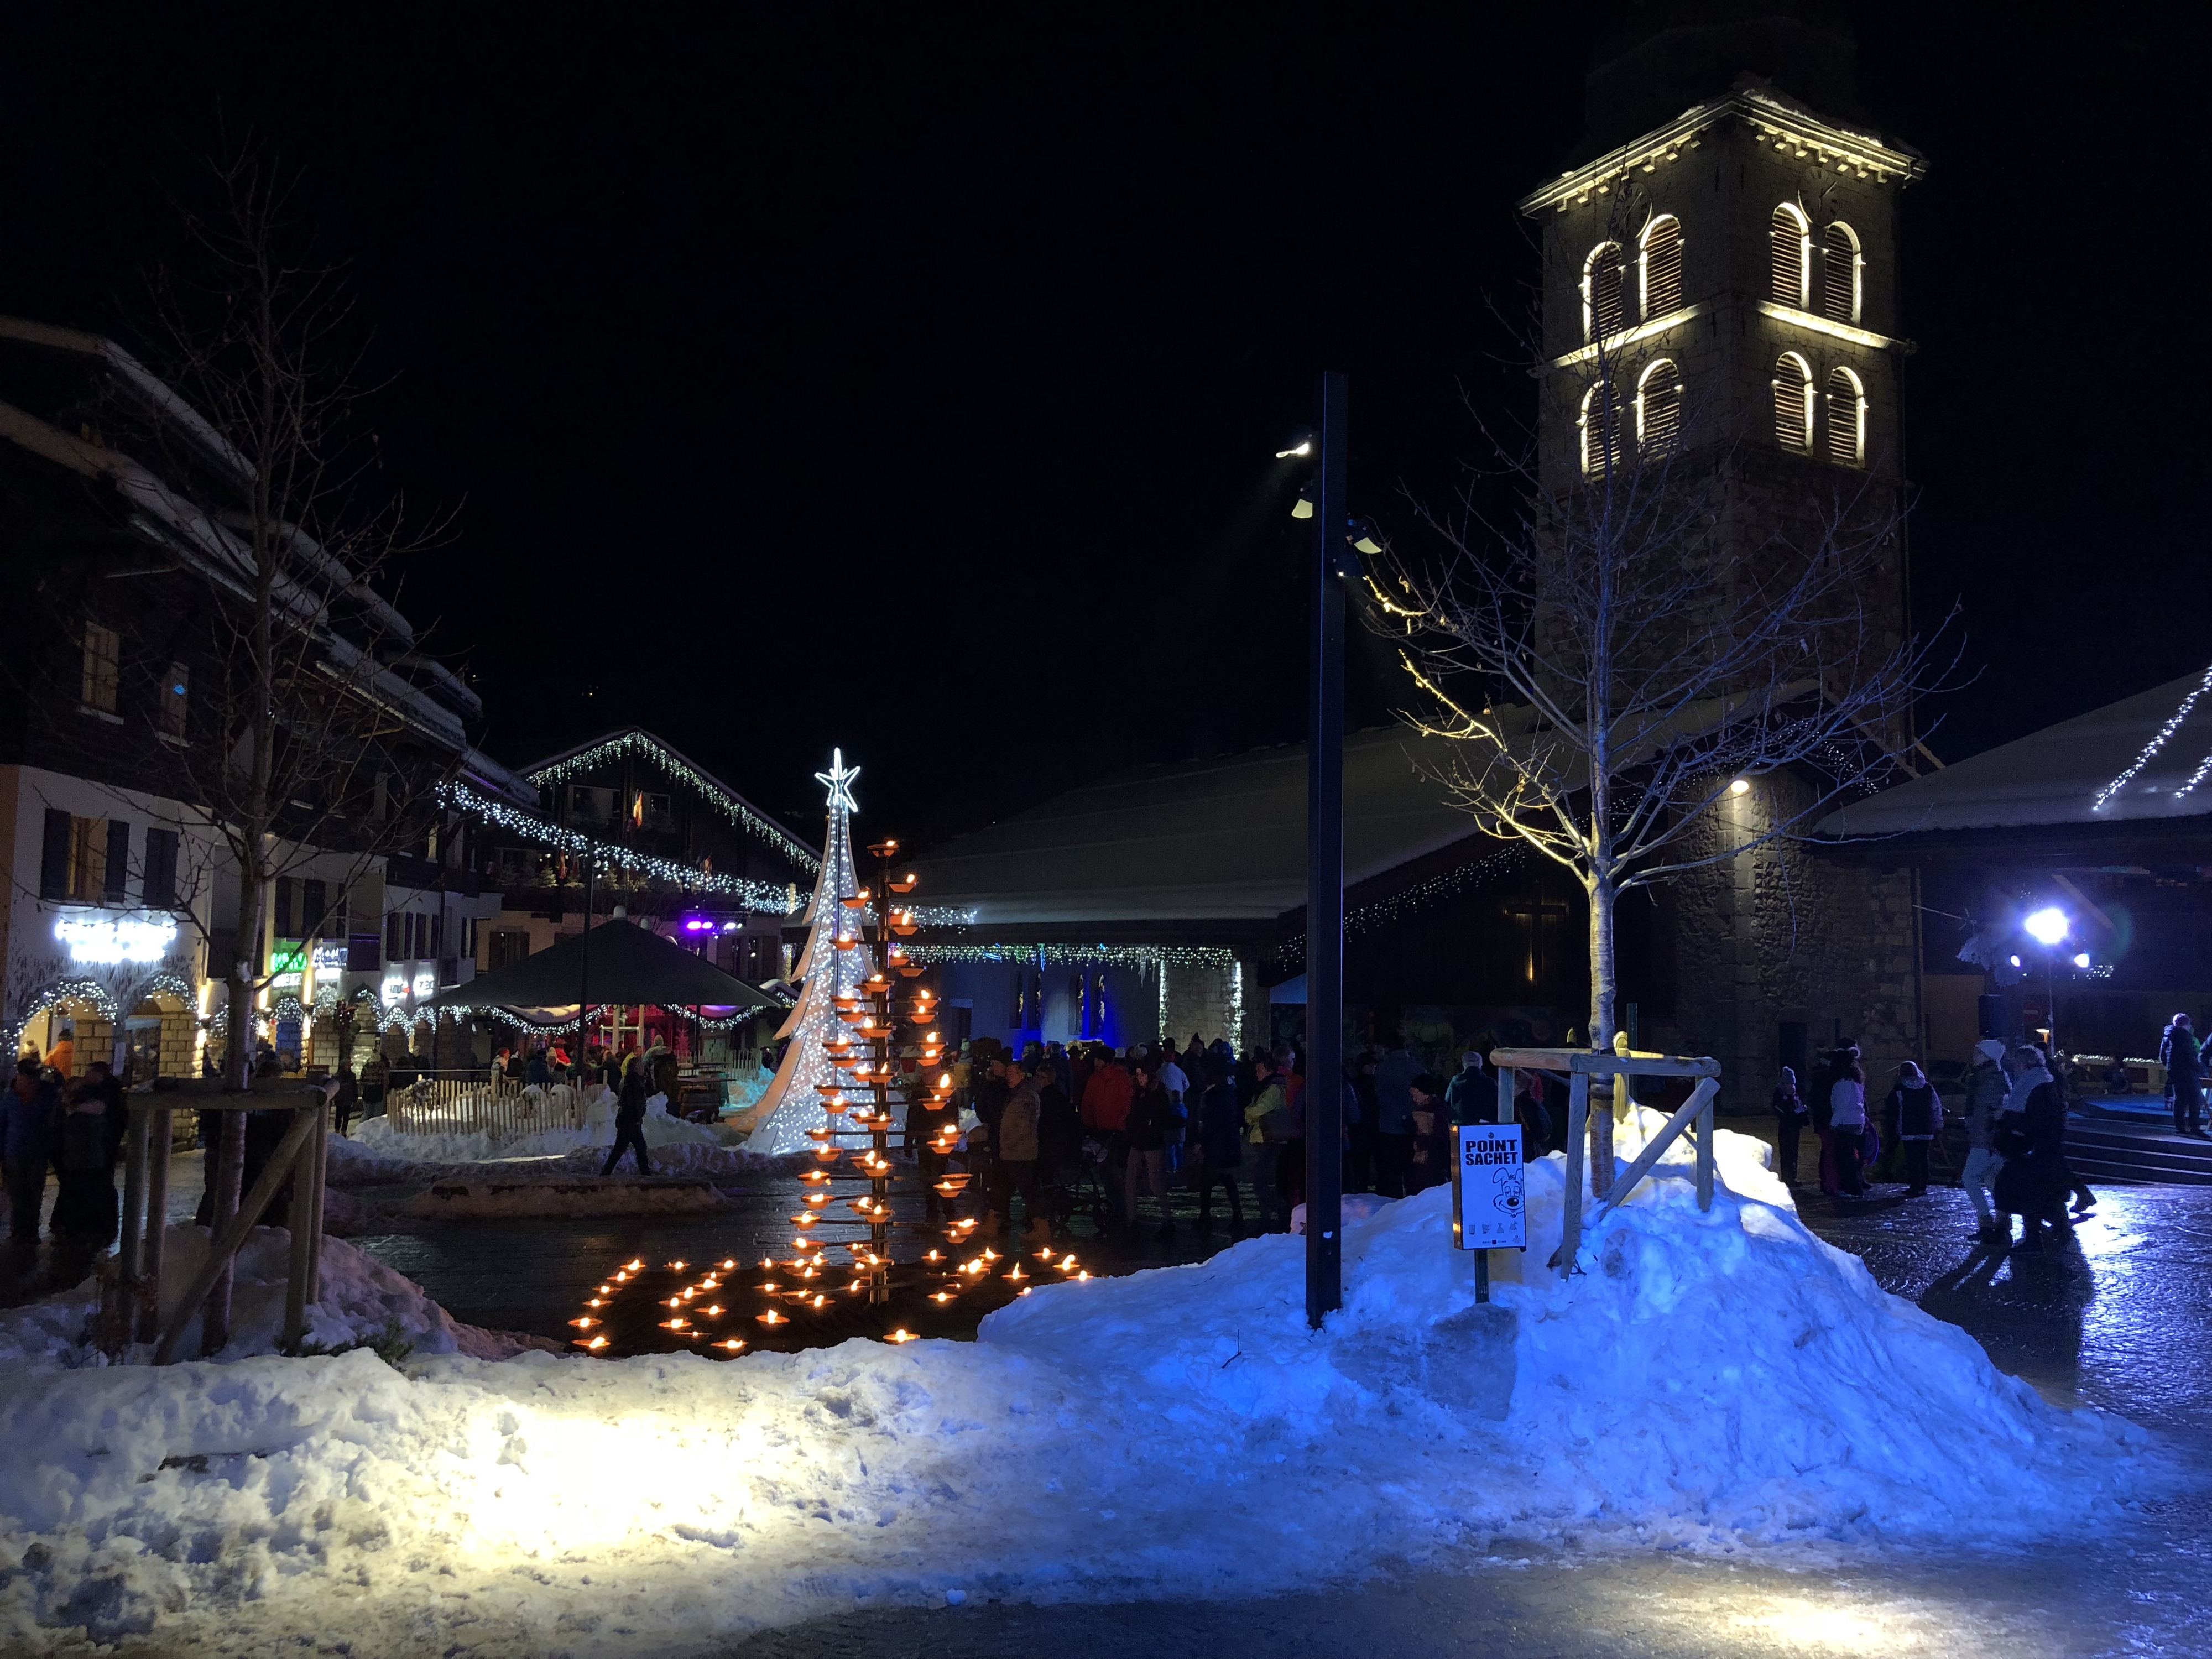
{"x":1721,"y":281}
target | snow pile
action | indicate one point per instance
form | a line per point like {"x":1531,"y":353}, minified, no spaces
{"x":1719,"y":1377}
{"x":475,"y":1146}
{"x":362,"y":1301}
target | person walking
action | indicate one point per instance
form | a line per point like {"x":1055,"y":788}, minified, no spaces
{"x":1919,"y":1116}
{"x":1016,"y":1147}
{"x":1176,"y":1082}
{"x":1218,"y":1146}
{"x":1105,"y":1103}
{"x":345,"y":1097}
{"x":2030,"y":1135}
{"x":85,"y":1210}
{"x":2178,"y":1051}
{"x":630,"y":1120}
{"x":1789,"y":1117}
{"x":1393,"y":1116}
{"x":1847,"y":1121}
{"x":1986,"y":1085}
{"x":1150,"y":1121}
{"x":27,"y":1110}
{"x":1268,"y":1104}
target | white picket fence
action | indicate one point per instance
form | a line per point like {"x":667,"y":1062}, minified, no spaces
{"x":497,"y":1109}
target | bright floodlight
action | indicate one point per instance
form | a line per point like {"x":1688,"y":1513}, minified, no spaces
{"x":2046,"y":927}
{"x":1740,"y":786}
{"x":1303,"y":447}
{"x":2080,"y":958}
{"x":1303,"y":508}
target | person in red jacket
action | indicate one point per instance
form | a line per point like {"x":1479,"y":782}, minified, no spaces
{"x":1106,"y":1100}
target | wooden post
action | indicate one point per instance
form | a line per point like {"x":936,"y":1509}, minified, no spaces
{"x":321,"y":1147}
{"x":1705,"y":1148}
{"x":1506,"y":1091}
{"x":134,"y":1204}
{"x":225,"y":1244}
{"x":300,"y":1214}
{"x":157,"y":1223}
{"x":1571,"y":1229}
{"x":229,"y":1174}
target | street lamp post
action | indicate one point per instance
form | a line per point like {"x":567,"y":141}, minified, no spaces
{"x":1324,"y":1097}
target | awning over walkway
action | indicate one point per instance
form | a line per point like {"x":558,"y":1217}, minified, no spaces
{"x":626,"y":964}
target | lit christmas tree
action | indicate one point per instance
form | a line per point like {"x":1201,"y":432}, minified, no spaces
{"x":836,"y":964}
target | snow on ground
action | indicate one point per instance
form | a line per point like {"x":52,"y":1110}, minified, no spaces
{"x":362,"y":1301}
{"x":376,"y":1152}
{"x":1719,"y":1379}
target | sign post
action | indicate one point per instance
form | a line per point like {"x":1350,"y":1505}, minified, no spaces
{"x":1489,"y":1207}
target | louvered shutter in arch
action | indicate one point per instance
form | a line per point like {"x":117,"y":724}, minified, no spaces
{"x":1793,"y":403}
{"x":1604,"y":284}
{"x":1659,"y":408}
{"x":1662,"y":267}
{"x":1839,"y":273}
{"x":1846,"y":418}
{"x":1600,"y":430}
{"x":1791,"y":251}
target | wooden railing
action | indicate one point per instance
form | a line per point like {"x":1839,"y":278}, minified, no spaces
{"x":1580,"y":1068}
{"x":497,"y":1109}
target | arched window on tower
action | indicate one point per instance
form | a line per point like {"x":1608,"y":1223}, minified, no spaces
{"x":1599,"y":425}
{"x":1846,"y":418}
{"x":1604,"y":282}
{"x":1839,"y":273}
{"x":1658,"y":408}
{"x":1793,"y":403}
{"x":1791,"y":234}
{"x":1659,"y":266}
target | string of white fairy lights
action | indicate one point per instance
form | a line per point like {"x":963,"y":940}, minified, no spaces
{"x":2158,"y":742}
{"x":681,"y":769}
{"x":1380,"y":913}
{"x":1076,"y":956}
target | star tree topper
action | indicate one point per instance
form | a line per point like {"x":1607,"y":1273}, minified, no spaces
{"x":840,"y":781}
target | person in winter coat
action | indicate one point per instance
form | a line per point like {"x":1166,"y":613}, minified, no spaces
{"x":1393,"y":1117}
{"x":1472,"y":1095}
{"x":1268,"y":1107}
{"x":85,"y":1209}
{"x":2030,"y":1135}
{"x":1430,"y":1164}
{"x":1847,"y":1120}
{"x":345,"y":1099}
{"x":1789,"y":1121}
{"x":1986,"y":1085}
{"x":1359,"y":1160}
{"x":1016,"y":1145}
{"x":1218,"y":1148}
{"x":1919,"y":1114}
{"x":537,"y":1072}
{"x":2178,"y":1053}
{"x":27,"y":1110}
{"x":1059,"y":1136}
{"x":629,"y":1119}
{"x":1150,"y":1120}
{"x":1176,"y":1082}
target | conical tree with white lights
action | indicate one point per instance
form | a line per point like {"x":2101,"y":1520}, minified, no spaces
{"x":835,"y":963}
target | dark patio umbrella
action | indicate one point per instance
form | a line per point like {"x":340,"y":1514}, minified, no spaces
{"x":627,"y":965}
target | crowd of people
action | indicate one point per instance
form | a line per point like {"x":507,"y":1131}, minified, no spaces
{"x":73,"y":1127}
{"x":2015,"y":1108}
{"x":1065,"y":1127}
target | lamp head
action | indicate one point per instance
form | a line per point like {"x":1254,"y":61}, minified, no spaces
{"x":2047,"y":925}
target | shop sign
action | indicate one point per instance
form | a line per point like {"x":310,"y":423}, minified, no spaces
{"x":288,"y":964}
{"x":426,"y":982}
{"x":1489,"y":1212}
{"x":395,"y":989}
{"x":332,"y":958}
{"x":103,"y":938}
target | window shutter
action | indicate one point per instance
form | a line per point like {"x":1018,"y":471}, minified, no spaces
{"x":1793,"y":403}
{"x":1659,"y":411}
{"x":1605,"y":286}
{"x":54,"y":856}
{"x":161,"y":883}
{"x":1840,"y":276}
{"x":1846,"y":419}
{"x":393,"y":940}
{"x":1787,"y":237}
{"x":285,"y":886}
{"x":1663,"y":268}
{"x":119,"y":860}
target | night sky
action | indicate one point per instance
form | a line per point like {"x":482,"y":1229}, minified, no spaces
{"x":908,"y":379}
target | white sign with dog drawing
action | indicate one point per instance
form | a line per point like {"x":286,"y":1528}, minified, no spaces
{"x":1488,"y":1208}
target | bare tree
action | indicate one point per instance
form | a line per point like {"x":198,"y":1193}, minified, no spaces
{"x":1610,"y":652}
{"x":299,"y":749}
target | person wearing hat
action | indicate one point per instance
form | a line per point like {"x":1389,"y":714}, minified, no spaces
{"x":1985,"y":1083}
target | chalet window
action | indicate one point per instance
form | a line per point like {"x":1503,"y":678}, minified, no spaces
{"x":175,"y":707}
{"x":659,"y":814}
{"x":1658,"y":408}
{"x":1791,"y":235}
{"x":1600,"y":430}
{"x":1846,"y":418}
{"x":54,"y":856}
{"x":1839,"y":273}
{"x":590,"y":806}
{"x":1604,"y":282}
{"x":103,"y":657}
{"x":1793,"y":403}
{"x":87,"y":859}
{"x":1661,"y":263}
{"x":161,"y":879}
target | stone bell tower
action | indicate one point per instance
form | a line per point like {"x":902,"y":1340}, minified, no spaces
{"x":1720,"y":263}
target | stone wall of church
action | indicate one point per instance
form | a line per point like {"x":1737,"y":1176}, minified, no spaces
{"x":1782,"y":934}
{"x":1202,"y":998}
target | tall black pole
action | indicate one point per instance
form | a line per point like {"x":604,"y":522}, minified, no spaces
{"x":1324,"y":1097}
{"x":584,"y":968}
